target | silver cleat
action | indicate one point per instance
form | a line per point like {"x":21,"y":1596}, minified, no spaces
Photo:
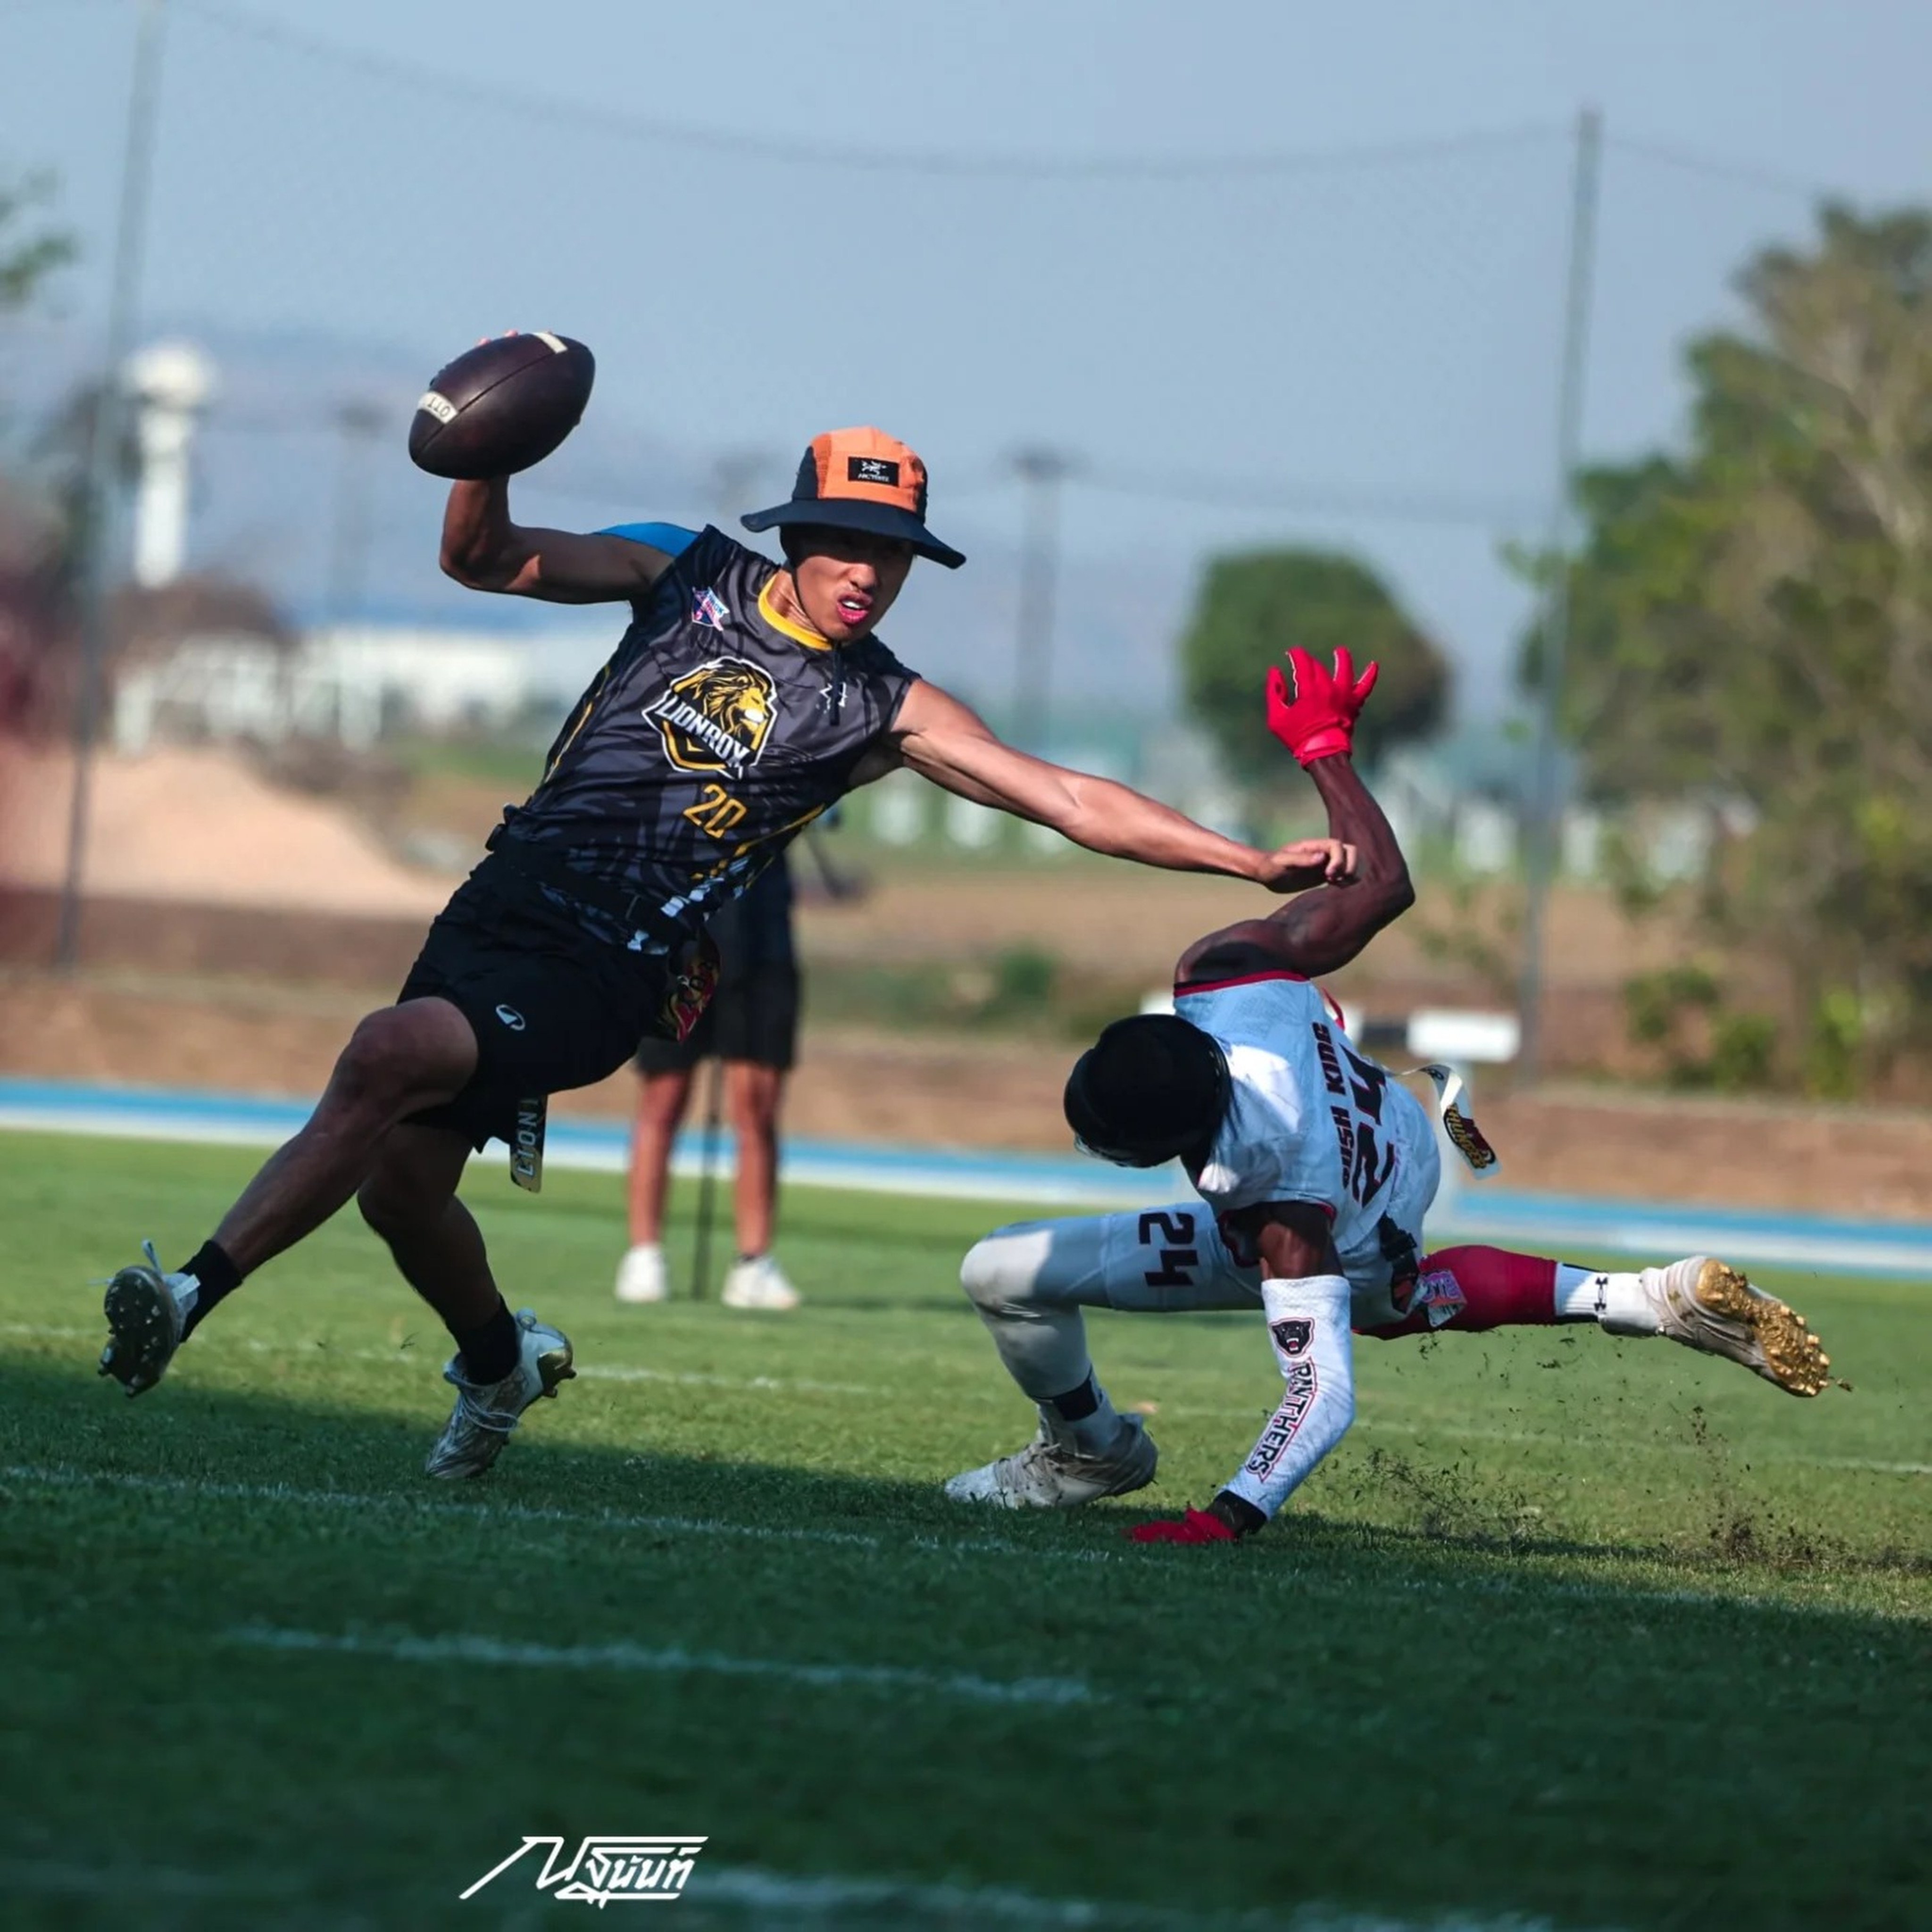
{"x":1051,"y":1472}
{"x":147,"y":1310}
{"x":486,"y":1412}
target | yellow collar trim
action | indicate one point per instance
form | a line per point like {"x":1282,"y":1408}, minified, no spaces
{"x":799,"y":633}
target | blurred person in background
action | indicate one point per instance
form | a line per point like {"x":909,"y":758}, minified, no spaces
{"x":751,"y":1026}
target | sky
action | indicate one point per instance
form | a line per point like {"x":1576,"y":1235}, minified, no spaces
{"x":1360,"y":348}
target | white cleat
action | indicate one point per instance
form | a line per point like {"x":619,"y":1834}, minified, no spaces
{"x":758,"y":1282}
{"x":1051,"y":1472}
{"x":1709,"y":1305}
{"x":147,"y":1310}
{"x":486,"y":1412}
{"x":640,"y":1274}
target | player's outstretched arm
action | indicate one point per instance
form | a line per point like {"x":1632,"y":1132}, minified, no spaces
{"x":483,"y":549}
{"x":1305,"y":1301}
{"x":942,"y":739}
{"x":1322,"y":930}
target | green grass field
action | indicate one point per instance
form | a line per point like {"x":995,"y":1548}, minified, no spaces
{"x":1571,"y":1631}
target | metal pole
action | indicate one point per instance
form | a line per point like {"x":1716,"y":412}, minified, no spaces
{"x":357,"y":424}
{"x":1541,"y":847}
{"x":1042,"y":472}
{"x":104,"y":457}
{"x":707,"y":1180}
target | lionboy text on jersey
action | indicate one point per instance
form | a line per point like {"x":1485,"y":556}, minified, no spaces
{"x":711,"y":738}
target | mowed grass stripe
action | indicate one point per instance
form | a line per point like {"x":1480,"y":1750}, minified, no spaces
{"x":724,"y":1894}
{"x":1415,"y":1425}
{"x":1308,"y":1579}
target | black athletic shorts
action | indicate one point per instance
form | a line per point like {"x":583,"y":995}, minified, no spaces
{"x":552,"y":1006}
{"x":753,"y":1015}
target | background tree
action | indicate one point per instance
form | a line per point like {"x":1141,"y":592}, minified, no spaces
{"x":1254,"y":606}
{"x":27,"y":260}
{"x":35,"y":611}
{"x":1753,"y":623}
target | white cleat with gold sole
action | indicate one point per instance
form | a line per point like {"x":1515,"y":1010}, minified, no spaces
{"x":1708,"y":1305}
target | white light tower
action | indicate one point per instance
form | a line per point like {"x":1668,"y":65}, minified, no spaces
{"x":171,"y":382}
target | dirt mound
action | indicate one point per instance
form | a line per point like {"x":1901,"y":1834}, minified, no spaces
{"x":199,"y":825}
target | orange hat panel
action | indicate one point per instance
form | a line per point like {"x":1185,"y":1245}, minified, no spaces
{"x":867,"y":465}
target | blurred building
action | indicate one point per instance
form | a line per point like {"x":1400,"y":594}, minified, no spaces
{"x":349,"y":684}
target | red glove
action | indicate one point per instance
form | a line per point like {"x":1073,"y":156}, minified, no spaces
{"x":1318,"y":720}
{"x":1196,"y":1526}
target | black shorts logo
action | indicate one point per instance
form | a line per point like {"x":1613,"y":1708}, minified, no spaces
{"x":1293,"y":1333}
{"x":512,"y":1019}
{"x":717,"y":717}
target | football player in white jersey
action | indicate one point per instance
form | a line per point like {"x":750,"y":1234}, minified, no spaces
{"x":1316,"y":1168}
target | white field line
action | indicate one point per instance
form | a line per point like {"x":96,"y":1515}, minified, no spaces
{"x":402,"y":1358}
{"x":1402,"y":1588}
{"x":354,"y":1502}
{"x":401,"y":1647}
{"x":57,"y":1476}
{"x":781,"y":1385}
{"x":805,"y":1902}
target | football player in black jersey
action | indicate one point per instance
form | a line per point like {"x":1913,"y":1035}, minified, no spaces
{"x":743,"y":699}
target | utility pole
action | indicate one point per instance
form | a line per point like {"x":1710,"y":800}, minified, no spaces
{"x":105,"y":438}
{"x":1041,"y":472}
{"x":357,"y":424}
{"x":1542,"y":845}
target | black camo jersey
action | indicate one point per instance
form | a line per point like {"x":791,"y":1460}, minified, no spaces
{"x":708,"y":741}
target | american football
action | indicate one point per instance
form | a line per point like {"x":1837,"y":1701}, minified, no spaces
{"x":502,"y":407}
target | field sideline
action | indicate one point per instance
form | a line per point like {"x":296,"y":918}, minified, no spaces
{"x":1572,"y":1632}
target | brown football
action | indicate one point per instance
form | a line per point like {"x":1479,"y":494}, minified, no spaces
{"x":502,"y":407}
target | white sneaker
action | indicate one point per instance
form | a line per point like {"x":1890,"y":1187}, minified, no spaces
{"x":640,"y":1274}
{"x":146,"y":1309}
{"x":1053,"y":1472}
{"x":758,"y":1282}
{"x":1710,"y":1307}
{"x":486,"y":1412}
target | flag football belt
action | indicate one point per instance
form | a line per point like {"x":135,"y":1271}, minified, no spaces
{"x":633,"y":910}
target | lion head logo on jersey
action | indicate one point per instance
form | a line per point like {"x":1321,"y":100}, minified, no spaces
{"x":717,"y":717}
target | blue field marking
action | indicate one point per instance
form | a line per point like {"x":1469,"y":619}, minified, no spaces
{"x":1580,"y":1226}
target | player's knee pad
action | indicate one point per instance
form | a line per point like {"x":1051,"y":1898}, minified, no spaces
{"x":1000,"y":1272}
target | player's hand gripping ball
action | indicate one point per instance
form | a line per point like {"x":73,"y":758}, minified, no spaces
{"x":502,"y":407}
{"x":1316,"y":719}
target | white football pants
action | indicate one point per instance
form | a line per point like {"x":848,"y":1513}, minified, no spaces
{"x":1029,"y":1281}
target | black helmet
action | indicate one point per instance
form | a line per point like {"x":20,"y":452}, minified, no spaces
{"x":1149,"y":1090}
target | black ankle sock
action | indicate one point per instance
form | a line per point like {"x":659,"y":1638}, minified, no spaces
{"x":490,"y":1351}
{"x":217,"y":1277}
{"x":1077,"y":1404}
